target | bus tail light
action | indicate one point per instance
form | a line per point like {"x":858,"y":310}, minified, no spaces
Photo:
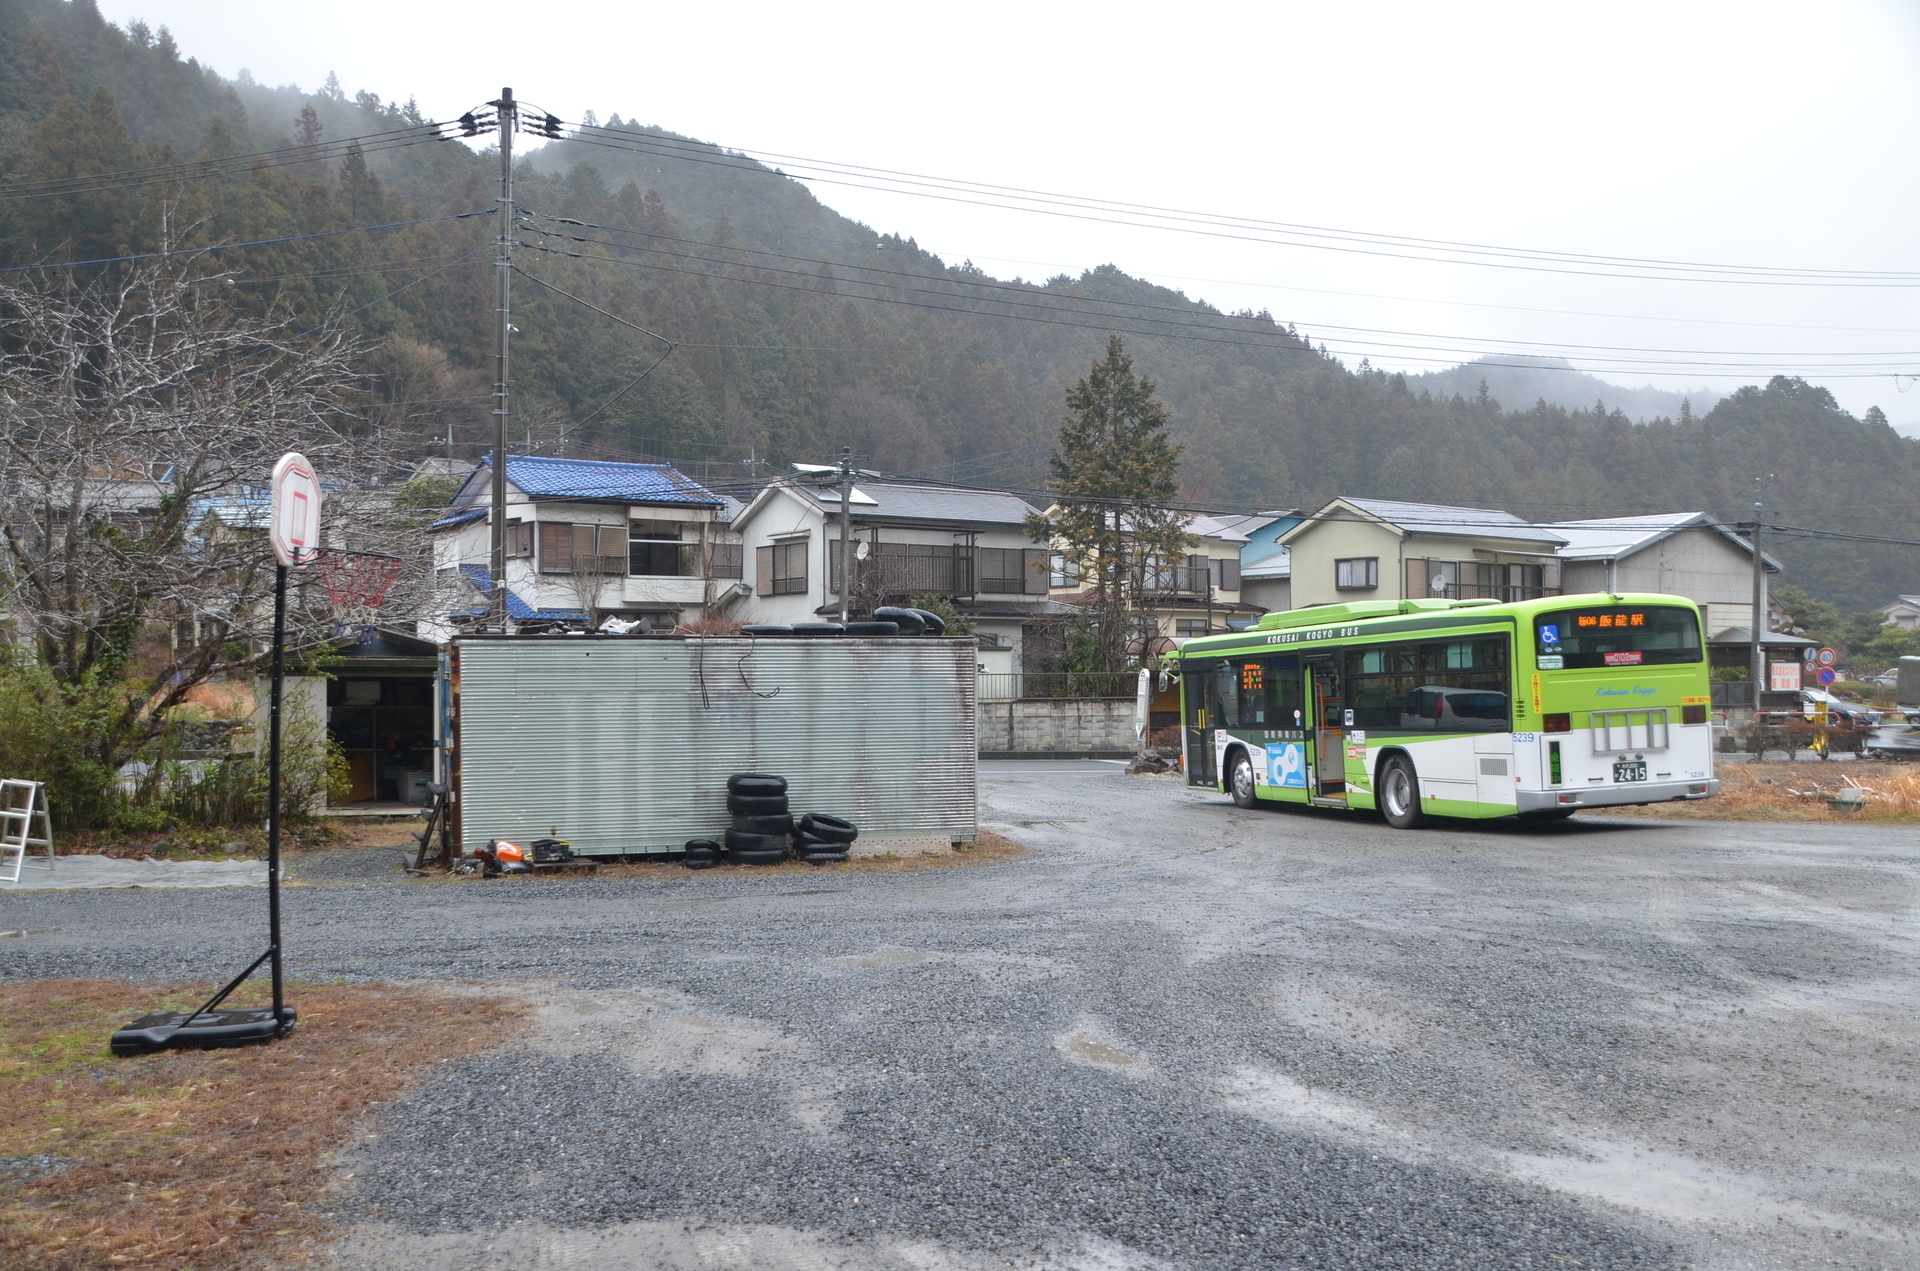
{"x":1561,"y":723}
{"x":1693,"y":714}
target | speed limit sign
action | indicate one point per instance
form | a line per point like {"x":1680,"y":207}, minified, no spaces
{"x":1826,"y":657}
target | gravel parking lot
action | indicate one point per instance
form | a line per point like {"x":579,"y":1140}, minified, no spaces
{"x":1176,"y":1035}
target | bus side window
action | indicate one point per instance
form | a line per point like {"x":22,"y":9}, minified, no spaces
{"x":1226,"y":695}
{"x":1286,"y":707}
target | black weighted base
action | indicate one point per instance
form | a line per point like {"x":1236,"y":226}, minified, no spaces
{"x":241,"y":1026}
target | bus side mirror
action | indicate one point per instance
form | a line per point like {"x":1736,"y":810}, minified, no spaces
{"x":1166,"y":680}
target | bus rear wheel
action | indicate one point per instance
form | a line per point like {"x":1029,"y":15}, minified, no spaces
{"x":1240,"y":780}
{"x":1400,"y":793}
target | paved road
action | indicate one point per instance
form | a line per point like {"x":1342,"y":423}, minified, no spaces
{"x":1177,"y":1035}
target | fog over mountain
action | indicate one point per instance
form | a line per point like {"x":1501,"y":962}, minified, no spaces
{"x":1519,"y":382}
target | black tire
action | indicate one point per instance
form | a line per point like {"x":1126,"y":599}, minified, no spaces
{"x":766,"y":629}
{"x":829,"y":828}
{"x":702,"y":861}
{"x":825,"y":858}
{"x":1240,"y":780}
{"x":804,"y":843}
{"x":757,"y":804}
{"x":740,"y":841}
{"x":908,"y":620}
{"x":873,"y":628}
{"x":936,"y":625}
{"x":818,"y":629}
{"x":781,"y":825}
{"x":702,"y":845}
{"x":756,"y":858}
{"x":1398,"y":790}
{"x":759,"y":785}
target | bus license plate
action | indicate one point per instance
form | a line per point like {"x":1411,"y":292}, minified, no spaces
{"x":1635,"y":770}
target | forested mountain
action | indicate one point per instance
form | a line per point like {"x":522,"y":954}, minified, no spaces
{"x":797,"y":330}
{"x":1519,"y":378}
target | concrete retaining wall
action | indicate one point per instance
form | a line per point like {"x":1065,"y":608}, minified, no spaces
{"x":1045,"y":725}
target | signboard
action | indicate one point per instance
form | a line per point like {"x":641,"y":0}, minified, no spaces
{"x":1784,"y":676}
{"x":293,"y":521}
{"x":1826,"y":676}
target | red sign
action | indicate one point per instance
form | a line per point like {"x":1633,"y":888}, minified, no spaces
{"x":1631,"y":658}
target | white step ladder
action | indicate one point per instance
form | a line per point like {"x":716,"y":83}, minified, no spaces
{"x":22,"y":804}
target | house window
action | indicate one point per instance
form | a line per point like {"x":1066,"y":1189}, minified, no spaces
{"x":726,"y":560}
{"x":519,"y":538}
{"x":582,"y":549}
{"x":1189,"y":628}
{"x":1063,"y":572}
{"x":1010,"y":570}
{"x":654,"y":550}
{"x":1356,"y":573}
{"x":556,"y":547}
{"x":780,"y":569}
{"x":1224,"y":574}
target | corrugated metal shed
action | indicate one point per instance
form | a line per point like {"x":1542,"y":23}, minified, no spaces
{"x":624,"y":745}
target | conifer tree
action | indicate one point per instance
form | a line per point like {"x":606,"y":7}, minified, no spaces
{"x":1114,"y":469}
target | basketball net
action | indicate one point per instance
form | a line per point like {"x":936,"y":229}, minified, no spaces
{"x":357,"y":584}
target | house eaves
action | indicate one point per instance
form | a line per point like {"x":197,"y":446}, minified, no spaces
{"x":1435,"y":519}
{"x":1618,"y":537}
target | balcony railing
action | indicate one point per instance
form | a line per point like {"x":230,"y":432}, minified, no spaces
{"x":1503,"y":592}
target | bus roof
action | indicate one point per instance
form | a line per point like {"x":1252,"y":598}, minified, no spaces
{"x":1365,"y":617}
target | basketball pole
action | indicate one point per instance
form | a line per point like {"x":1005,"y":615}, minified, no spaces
{"x":273,"y":785}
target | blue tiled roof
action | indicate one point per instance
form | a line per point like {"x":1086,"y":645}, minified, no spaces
{"x":540,"y":477}
{"x":517,"y":609}
{"x":458,"y":518}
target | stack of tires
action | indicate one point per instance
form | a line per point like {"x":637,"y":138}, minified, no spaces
{"x":763,"y":829}
{"x":762,"y":824}
{"x":820,"y":839}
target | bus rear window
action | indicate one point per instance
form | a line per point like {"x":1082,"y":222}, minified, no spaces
{"x":1627,"y":635}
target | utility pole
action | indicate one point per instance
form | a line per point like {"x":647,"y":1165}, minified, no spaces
{"x":508,"y":116}
{"x":846,"y":529}
{"x":1756,"y":653}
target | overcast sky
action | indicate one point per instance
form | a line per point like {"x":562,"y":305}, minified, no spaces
{"x":1751,"y":133}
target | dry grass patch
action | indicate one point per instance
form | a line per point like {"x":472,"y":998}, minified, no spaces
{"x":1797,"y":792}
{"x":202,"y":1159}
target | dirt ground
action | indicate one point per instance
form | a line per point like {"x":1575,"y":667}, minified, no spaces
{"x":191,"y":1158}
{"x":1798,"y":792}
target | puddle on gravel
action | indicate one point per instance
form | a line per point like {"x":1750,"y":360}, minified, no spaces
{"x":889,"y":955}
{"x":657,"y":1034}
{"x":1665,"y":1184}
{"x":1280,"y":1100}
{"x":680,"y":1244}
{"x":1087,"y":1042}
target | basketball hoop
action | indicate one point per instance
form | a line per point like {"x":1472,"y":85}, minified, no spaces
{"x":357,"y":584}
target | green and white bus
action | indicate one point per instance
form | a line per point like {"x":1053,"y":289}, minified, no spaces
{"x":1461,"y":708}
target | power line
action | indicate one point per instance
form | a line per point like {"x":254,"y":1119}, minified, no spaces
{"x":258,"y":242}
{"x":1189,"y":311}
{"x":1247,"y":229}
{"x":197,"y":169}
{"x":1637,"y":366}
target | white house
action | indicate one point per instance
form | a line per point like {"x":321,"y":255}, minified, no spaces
{"x":1902,"y":611}
{"x":588,"y":540}
{"x":1679,"y":553}
{"x":910,"y":540}
{"x":1384,"y":549}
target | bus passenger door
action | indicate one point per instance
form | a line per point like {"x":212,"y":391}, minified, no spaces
{"x":1329,"y":775}
{"x":1201,"y":713}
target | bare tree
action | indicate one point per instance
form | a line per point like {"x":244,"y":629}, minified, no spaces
{"x":140,"y":416}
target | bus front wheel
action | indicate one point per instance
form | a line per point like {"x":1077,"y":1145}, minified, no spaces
{"x":1240,"y":780}
{"x":1400,"y":793}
